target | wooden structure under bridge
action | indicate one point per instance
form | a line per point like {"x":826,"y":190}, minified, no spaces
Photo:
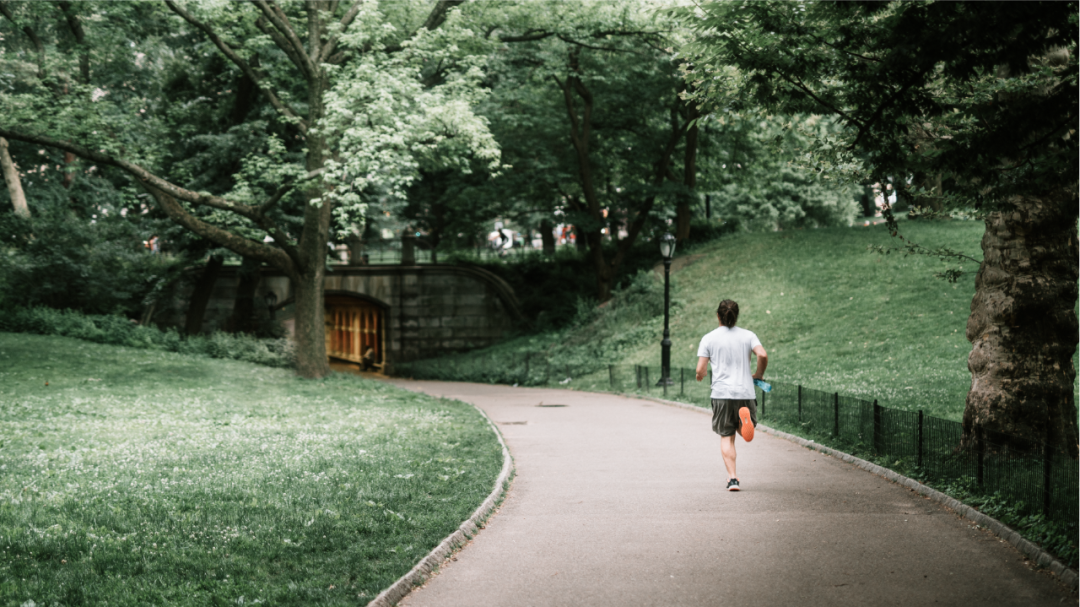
{"x":355,"y":327}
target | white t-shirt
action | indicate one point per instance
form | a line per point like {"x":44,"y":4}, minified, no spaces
{"x":728,"y":351}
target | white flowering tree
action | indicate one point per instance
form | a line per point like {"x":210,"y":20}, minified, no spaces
{"x":353,"y":99}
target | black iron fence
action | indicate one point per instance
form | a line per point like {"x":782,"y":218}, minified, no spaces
{"x":1036,"y":477}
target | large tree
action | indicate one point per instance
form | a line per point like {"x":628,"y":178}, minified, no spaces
{"x":586,"y":101}
{"x":960,"y":105}
{"x":358,"y":96}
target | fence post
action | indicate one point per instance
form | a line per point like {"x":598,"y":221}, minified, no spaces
{"x":647,"y":385}
{"x":919,"y":441}
{"x":682,"y":381}
{"x":800,"y":402}
{"x":979,"y":451}
{"x":878,"y":437}
{"x":526,"y":368}
{"x":836,"y":414}
{"x":1047,"y":457}
{"x":762,"y":412}
{"x":637,"y":375}
{"x":611,"y":376}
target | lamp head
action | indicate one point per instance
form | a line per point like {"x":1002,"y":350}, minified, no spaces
{"x":667,"y":246}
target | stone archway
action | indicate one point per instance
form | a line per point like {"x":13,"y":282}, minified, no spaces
{"x":355,"y":325}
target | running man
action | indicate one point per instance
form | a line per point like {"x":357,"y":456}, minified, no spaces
{"x":734,"y":403}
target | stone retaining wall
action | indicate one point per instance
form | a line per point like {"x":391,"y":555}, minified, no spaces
{"x":429,"y":310}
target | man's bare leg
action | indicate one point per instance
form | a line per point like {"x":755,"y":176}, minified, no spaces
{"x":727,"y":448}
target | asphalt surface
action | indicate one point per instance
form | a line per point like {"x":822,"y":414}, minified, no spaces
{"x":619,"y":501}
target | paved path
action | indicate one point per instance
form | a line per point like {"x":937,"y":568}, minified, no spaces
{"x":621,"y":502}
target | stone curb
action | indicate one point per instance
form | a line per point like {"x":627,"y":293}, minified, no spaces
{"x":427,"y":565}
{"x":1037,"y":555}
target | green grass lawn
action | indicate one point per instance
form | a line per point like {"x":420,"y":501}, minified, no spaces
{"x":140,"y":477}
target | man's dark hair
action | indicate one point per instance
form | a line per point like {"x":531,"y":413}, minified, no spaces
{"x":728,"y":311}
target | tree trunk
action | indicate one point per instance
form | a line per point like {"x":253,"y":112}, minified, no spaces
{"x":1023,"y":327}
{"x":866,"y":201}
{"x":547,"y":236}
{"x":200,"y":296}
{"x":14,"y":184}
{"x":308,"y":285}
{"x":581,"y":239}
{"x":605,"y":272}
{"x":311,"y":358}
{"x":682,"y":207}
{"x":243,"y":314}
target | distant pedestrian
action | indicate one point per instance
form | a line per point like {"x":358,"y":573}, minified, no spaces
{"x":734,"y":402}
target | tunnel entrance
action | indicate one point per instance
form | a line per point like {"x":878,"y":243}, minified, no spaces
{"x":355,"y":326}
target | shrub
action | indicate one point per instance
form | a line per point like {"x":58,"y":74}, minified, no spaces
{"x":117,"y":330}
{"x":97,"y":266}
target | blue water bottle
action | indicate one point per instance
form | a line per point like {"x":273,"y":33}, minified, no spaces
{"x":764,"y":386}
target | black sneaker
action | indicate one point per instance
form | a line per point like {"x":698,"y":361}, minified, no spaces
{"x":733,"y":485}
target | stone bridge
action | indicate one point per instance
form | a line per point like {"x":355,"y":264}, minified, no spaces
{"x":398,"y":312}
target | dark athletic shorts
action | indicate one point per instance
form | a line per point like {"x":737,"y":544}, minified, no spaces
{"x":725,"y":415}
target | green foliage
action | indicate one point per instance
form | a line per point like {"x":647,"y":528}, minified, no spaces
{"x":118,"y":330}
{"x":982,"y":95}
{"x":94,"y":263}
{"x":140,"y":477}
{"x":753,"y":165}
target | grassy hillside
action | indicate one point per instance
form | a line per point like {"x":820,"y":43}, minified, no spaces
{"x":832,"y":315}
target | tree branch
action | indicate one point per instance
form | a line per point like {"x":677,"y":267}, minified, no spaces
{"x":346,"y":21}
{"x":280,"y":238}
{"x":157,"y":185}
{"x":75,"y":25}
{"x":802,"y":87}
{"x":279,"y":40}
{"x":526,"y":37}
{"x":864,"y":128}
{"x":315,"y":31}
{"x":38,"y":46}
{"x":662,"y":168}
{"x":276,"y":16}
{"x":242,"y":246}
{"x":570,"y":40}
{"x":136,"y":171}
{"x":243,"y":65}
{"x":14,"y":184}
{"x":438,"y":14}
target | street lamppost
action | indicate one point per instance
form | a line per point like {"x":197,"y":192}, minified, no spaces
{"x":667,"y":251}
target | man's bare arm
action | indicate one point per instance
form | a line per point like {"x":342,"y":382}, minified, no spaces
{"x":762,"y":361}
{"x":702,"y":366}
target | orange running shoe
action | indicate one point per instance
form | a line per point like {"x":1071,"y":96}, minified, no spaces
{"x":746,"y":428}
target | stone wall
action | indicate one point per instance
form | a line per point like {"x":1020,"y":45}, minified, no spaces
{"x":430,"y":310}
